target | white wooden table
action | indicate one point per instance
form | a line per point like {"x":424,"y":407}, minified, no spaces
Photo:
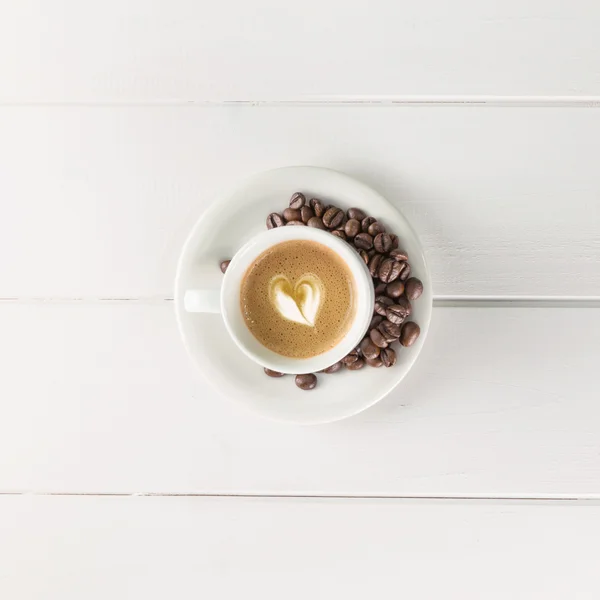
{"x":123,"y":476}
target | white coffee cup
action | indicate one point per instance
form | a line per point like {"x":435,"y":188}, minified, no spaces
{"x":226,"y":300}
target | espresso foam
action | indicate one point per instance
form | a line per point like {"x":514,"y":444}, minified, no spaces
{"x":295,"y":260}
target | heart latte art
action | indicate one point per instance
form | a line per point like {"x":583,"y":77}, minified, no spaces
{"x":299,"y":303}
{"x":297,"y":298}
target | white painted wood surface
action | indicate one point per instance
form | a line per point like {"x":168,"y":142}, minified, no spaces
{"x":502,"y":403}
{"x":185,"y":50}
{"x":505,"y":200}
{"x":118,"y":124}
{"x":97,"y":548}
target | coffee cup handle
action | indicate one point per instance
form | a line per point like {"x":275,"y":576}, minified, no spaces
{"x":202,"y":301}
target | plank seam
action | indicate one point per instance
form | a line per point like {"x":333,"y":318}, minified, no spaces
{"x":583,"y":498}
{"x":333,"y":101}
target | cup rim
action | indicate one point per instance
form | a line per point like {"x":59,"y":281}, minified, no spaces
{"x":266,"y":357}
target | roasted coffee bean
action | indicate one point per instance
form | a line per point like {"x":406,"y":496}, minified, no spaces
{"x":410,"y":333}
{"x":350,"y":358}
{"x":333,"y":217}
{"x":376,"y":228}
{"x":374,"y":362}
{"x":395,"y":289}
{"x":297,"y":201}
{"x":275,"y":220}
{"x":295,"y":223}
{"x":395,"y":241}
{"x":339,"y":233}
{"x":224,"y":265}
{"x":363,"y":241}
{"x":382,"y":303}
{"x":398,"y":312}
{"x":356,"y":365}
{"x":307,"y":381}
{"x":306,"y":213}
{"x":367,"y":222}
{"x":380,"y":289}
{"x":369,"y":349}
{"x":399,"y":255}
{"x":414,"y":288}
{"x":375,"y":321}
{"x":356,"y":213}
{"x":382,"y":241}
{"x":364,"y":256}
{"x":390,"y":330}
{"x":352,"y":227}
{"x":318,"y":207}
{"x":272,"y":373}
{"x":292,"y":214}
{"x":389,"y":270}
{"x":333,"y":368}
{"x":388,"y":357}
{"x":316,"y":222}
{"x":378,"y":338}
{"x":405,"y":272}
{"x":342,"y":225}
{"x":374,"y":265}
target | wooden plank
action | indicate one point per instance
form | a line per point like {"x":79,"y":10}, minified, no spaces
{"x":98,"y":201}
{"x":101,"y":398}
{"x":185,"y":50}
{"x":223,"y":548}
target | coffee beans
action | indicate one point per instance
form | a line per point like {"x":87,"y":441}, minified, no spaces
{"x":352,"y":228}
{"x":397,"y":313}
{"x":378,"y":338}
{"x":375,"y":229}
{"x":224,"y":265}
{"x":350,"y":358}
{"x":369,"y":349}
{"x":382,"y":303}
{"x":391,"y":331}
{"x":292,"y":214}
{"x":297,"y":200}
{"x":388,"y":357}
{"x":307,"y":381}
{"x":365,"y":256}
{"x":414,"y":288}
{"x":356,"y":365}
{"x":375,"y":321}
{"x":405,"y":274}
{"x":374,"y":263}
{"x":334,"y":368}
{"x":395,"y":289}
{"x":271,"y":373}
{"x":306,"y":214}
{"x":356,"y":213}
{"x":366,"y":223}
{"x":275,"y":220}
{"x":333,"y":217}
{"x":391,"y":272}
{"x":410,"y":333}
{"x":316,"y":222}
{"x":382,"y":241}
{"x":374,"y":362}
{"x":399,"y":255}
{"x":318,"y":207}
{"x":363,"y":241}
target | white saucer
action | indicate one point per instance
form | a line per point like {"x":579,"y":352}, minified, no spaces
{"x":226,"y":226}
